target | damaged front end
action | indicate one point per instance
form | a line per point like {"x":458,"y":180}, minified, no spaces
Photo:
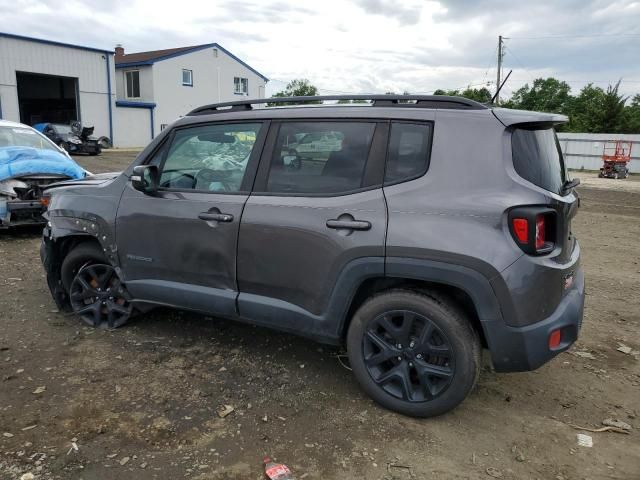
{"x":25,"y":172}
{"x":62,"y":232}
{"x":51,"y":261}
{"x":22,"y":201}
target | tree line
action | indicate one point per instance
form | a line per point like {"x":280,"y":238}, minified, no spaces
{"x":592,"y":110}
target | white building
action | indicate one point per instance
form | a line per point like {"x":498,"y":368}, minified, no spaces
{"x":127,"y":98}
{"x":46,"y":81}
{"x":170,"y":83}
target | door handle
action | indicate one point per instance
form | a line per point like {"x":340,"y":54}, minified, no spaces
{"x":216,"y":217}
{"x":349,"y":224}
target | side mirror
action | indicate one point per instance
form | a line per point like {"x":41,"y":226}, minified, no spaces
{"x":145,"y":178}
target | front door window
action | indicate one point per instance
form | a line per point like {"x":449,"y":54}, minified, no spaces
{"x":211,"y":158}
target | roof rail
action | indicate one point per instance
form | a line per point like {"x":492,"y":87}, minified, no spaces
{"x":416,"y":101}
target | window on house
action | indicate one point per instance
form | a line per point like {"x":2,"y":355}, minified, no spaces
{"x":187,"y":77}
{"x":132,"y":78}
{"x":241,"y":86}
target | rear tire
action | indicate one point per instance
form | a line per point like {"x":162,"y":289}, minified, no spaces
{"x":104,"y":142}
{"x":412,"y":353}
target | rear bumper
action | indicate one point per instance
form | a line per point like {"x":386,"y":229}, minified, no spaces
{"x":518,"y":349}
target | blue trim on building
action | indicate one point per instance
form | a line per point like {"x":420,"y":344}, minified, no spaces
{"x":109,"y":100}
{"x":129,"y":104}
{"x":191,"y":50}
{"x":149,"y":105}
{"x":51,"y":42}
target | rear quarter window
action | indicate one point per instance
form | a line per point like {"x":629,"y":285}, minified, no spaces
{"x":537,"y":157}
{"x":409,"y":150}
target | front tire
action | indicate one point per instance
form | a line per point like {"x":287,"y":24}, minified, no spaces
{"x":95,"y":291}
{"x":412,"y":353}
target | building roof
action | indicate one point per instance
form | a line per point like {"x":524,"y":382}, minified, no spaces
{"x":52,"y":42}
{"x":149,"y":58}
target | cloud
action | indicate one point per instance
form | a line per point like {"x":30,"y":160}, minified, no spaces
{"x":368,"y":46}
{"x":260,"y":11}
{"x":406,"y":14}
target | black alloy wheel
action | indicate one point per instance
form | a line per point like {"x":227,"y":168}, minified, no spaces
{"x":408,"y":356}
{"x":99,"y":298}
{"x":415,"y":353}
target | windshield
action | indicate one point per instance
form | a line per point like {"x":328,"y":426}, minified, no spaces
{"x":23,"y":137}
{"x":537,"y":158}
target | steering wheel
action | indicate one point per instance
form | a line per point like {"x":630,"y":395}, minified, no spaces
{"x":170,"y":182}
{"x":207,"y":176}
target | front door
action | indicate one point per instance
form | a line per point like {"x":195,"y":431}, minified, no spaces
{"x":309,"y":220}
{"x":178,"y":247}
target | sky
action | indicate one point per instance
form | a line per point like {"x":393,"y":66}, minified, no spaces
{"x":366,"y":46}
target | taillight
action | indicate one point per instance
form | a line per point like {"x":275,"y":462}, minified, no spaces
{"x":540,"y":232}
{"x":521,"y":229}
{"x":533,"y":229}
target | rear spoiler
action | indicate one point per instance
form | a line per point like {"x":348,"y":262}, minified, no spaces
{"x":509,"y":117}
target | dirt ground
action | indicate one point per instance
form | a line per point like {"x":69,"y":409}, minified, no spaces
{"x":140,"y":402}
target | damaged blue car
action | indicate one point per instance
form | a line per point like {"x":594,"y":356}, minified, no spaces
{"x":29,"y":162}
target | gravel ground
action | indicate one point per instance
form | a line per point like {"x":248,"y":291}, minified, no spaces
{"x":591,"y":180}
{"x":140,"y":402}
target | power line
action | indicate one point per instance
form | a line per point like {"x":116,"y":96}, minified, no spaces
{"x":589,"y":81}
{"x":593,"y":35}
{"x":515,"y":57}
{"x":530,"y":77}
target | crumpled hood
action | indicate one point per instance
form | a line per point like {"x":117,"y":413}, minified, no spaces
{"x":19,"y":161}
{"x":91,"y":179}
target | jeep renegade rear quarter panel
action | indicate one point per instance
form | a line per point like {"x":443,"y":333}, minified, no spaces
{"x":454,"y":213}
{"x":535,"y":285}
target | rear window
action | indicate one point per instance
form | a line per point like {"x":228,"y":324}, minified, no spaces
{"x":537,"y":157}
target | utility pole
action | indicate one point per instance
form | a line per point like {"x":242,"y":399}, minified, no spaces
{"x":500,"y":55}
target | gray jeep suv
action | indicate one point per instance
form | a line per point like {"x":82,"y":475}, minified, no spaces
{"x":438,"y":227}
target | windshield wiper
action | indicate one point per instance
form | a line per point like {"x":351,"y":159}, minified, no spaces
{"x":570,"y":185}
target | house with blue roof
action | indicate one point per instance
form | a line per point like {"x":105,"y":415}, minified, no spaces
{"x":174,"y":81}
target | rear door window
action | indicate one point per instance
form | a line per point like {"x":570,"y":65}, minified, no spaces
{"x":537,"y":157}
{"x":330,"y":157}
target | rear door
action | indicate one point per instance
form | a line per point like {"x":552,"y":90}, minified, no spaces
{"x":179,"y":246}
{"x":303,"y":227}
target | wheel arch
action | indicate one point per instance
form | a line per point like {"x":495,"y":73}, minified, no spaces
{"x":453,"y":295}
{"x":462,"y":286}
{"x":52,"y":253}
